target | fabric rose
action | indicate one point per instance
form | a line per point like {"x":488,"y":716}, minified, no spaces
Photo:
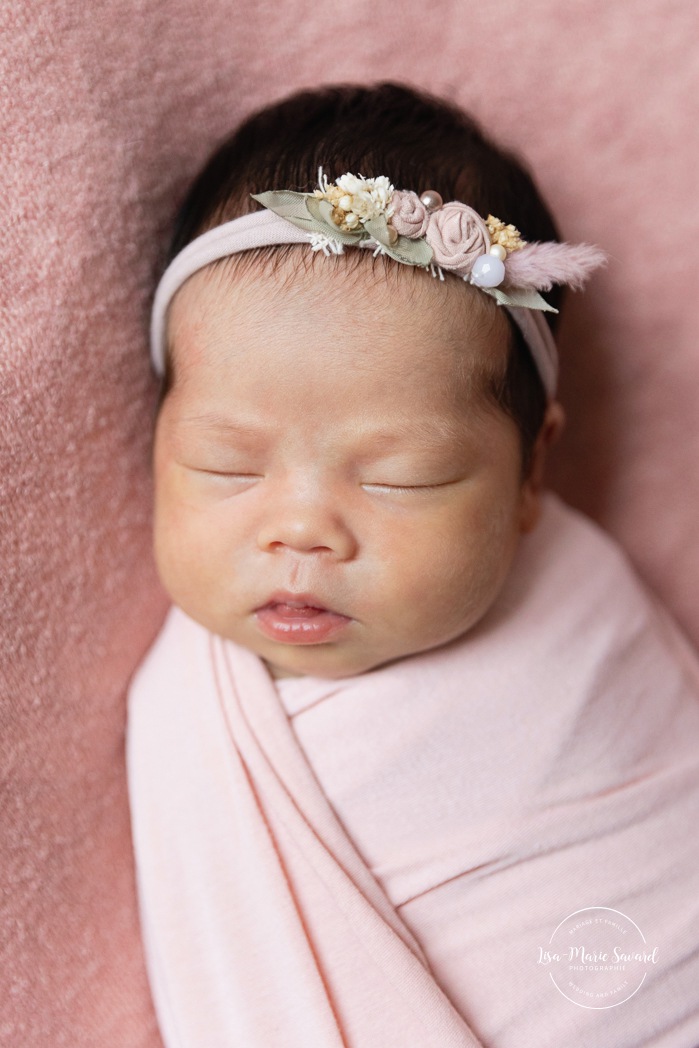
{"x":457,"y":235}
{"x":410,"y":216}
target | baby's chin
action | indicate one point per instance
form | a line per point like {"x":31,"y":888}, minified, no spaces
{"x":319,"y":661}
{"x":323,"y":668}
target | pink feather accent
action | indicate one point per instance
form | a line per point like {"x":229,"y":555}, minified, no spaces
{"x":541,"y":266}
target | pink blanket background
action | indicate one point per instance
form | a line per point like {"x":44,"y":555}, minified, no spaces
{"x":106,"y":112}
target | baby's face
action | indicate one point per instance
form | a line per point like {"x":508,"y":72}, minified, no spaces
{"x":326,"y":444}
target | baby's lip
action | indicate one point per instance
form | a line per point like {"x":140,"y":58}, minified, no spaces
{"x":296,"y":600}
{"x":299,"y":618}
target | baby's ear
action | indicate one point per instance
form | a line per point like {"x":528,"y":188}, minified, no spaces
{"x":551,"y":429}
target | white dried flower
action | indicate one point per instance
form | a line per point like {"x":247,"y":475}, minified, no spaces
{"x":355,"y":199}
{"x":349,"y":183}
{"x":364,"y":205}
{"x":381,"y":191}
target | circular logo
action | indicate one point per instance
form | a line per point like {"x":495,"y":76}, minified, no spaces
{"x":597,"y":957}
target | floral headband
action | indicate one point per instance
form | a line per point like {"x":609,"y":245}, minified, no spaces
{"x":414,"y":230}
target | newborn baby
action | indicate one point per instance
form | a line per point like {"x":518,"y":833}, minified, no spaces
{"x":414,"y":758}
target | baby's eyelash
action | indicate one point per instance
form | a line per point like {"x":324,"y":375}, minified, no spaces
{"x":229,"y":475}
{"x":401,"y":489}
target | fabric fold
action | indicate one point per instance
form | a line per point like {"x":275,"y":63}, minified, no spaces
{"x":262,"y":924}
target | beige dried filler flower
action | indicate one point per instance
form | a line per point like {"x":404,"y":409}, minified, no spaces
{"x":506,"y":236}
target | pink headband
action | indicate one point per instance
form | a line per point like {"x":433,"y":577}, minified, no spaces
{"x":413,"y":230}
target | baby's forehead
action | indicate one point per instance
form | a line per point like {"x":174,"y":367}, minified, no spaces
{"x":360,"y":313}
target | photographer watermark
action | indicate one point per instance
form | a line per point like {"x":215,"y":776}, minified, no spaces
{"x":597,"y":957}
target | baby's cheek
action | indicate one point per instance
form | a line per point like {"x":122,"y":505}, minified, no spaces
{"x":422,"y":573}
{"x":183,"y":549}
{"x":453,"y":578}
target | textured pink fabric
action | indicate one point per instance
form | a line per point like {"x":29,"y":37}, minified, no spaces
{"x":457,"y":235}
{"x":262,"y":924}
{"x":410,"y":216}
{"x":321,"y":861}
{"x":105,"y":114}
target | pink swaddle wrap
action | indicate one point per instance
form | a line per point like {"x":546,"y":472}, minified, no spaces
{"x":374,"y":862}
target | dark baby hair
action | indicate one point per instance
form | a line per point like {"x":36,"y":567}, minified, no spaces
{"x":419,"y":142}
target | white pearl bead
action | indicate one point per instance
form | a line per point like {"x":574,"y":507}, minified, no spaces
{"x":499,"y":252}
{"x":488,"y":271}
{"x":431,"y":199}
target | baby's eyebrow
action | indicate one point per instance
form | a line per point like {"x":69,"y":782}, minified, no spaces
{"x":215,"y":422}
{"x":425,"y":432}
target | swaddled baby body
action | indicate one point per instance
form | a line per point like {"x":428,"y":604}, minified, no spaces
{"x":413,"y":731}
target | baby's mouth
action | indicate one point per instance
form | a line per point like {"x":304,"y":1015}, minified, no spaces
{"x":296,"y":610}
{"x":299,"y":619}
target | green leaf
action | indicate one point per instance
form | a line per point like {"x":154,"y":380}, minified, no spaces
{"x":520,"y":297}
{"x":411,"y":252}
{"x":289,"y":205}
{"x":378,"y":229}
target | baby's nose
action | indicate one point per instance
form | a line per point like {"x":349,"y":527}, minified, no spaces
{"x":307,"y":521}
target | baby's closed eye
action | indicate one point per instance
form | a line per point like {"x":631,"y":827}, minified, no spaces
{"x":408,"y":489}
{"x":205,"y":473}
